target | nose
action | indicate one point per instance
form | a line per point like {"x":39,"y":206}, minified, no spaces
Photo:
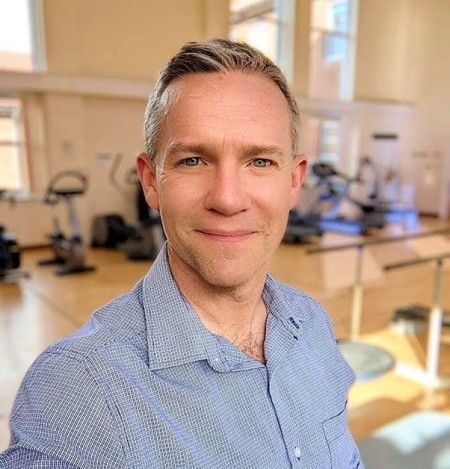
{"x":227,"y":192}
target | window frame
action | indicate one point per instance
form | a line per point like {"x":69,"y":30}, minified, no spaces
{"x":17,"y":143}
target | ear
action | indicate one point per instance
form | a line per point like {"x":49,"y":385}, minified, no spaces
{"x":299,"y":167}
{"x":147,"y":176}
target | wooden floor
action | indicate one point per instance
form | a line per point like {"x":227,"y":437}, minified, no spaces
{"x":37,"y":310}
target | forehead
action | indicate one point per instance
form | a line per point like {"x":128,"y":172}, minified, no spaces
{"x":229,"y":103}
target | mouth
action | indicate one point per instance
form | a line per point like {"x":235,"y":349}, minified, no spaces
{"x":226,"y":236}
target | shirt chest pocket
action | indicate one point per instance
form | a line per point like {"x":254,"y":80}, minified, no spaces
{"x":344,"y":453}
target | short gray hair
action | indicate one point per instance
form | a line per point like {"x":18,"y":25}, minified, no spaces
{"x":218,"y":55}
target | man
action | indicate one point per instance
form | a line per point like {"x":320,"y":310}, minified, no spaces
{"x":208,"y":362}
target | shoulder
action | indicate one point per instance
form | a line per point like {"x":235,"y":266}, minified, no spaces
{"x":75,"y":364}
{"x":118,"y":323}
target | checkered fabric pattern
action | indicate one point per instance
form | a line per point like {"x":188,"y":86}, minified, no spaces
{"x":145,"y":385}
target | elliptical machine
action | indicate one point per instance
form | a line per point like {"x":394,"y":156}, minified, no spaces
{"x":69,"y":252}
{"x":148,"y":238}
{"x":142,"y":241}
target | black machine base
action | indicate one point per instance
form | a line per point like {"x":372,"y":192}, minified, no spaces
{"x":418,"y":315}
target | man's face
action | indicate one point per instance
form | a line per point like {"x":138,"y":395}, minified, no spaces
{"x":226,"y":178}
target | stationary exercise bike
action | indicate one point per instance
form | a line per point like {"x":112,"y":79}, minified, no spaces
{"x":69,"y":252}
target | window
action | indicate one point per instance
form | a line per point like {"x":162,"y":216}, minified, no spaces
{"x":13,"y":170}
{"x":255,"y":22}
{"x":21,"y":35}
{"x":21,"y":50}
{"x":335,"y":47}
{"x":267,"y":25}
{"x":329,"y":141}
{"x":332,"y":49}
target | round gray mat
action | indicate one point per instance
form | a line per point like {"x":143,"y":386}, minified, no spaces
{"x":367,"y":361}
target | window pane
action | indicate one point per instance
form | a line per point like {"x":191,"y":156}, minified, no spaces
{"x":340,"y":17}
{"x":15,"y":36}
{"x":331,"y":50}
{"x":255,"y":22}
{"x":335,"y":47}
{"x":260,"y":33}
{"x":332,"y":15}
{"x":329,"y":141}
{"x":12,"y":151}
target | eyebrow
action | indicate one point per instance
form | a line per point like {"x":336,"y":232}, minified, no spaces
{"x":249,"y":150}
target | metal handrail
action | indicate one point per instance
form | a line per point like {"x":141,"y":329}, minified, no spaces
{"x":436,"y":312}
{"x":371,"y":242}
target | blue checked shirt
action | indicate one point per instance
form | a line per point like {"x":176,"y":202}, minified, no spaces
{"x":145,"y":385}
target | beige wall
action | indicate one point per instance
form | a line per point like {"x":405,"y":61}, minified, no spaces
{"x":131,"y":39}
{"x":300,"y":82}
{"x":383,"y":50}
{"x":429,"y":128}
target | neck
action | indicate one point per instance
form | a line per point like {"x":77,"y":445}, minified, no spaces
{"x":241,"y":322}
{"x":236,"y":313}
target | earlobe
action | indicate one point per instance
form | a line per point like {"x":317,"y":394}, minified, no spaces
{"x":147,"y":176}
{"x":298,"y":177}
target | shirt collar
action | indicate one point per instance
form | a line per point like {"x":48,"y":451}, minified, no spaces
{"x":276,"y":298}
{"x":175,"y":333}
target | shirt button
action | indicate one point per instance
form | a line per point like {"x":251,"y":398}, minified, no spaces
{"x":297,"y":452}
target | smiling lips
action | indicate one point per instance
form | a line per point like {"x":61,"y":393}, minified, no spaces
{"x":226,"y":236}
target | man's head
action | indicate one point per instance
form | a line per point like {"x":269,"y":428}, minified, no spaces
{"x":220,"y":164}
{"x":219,"y":56}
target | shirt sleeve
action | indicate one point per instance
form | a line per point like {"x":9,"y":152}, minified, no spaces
{"x":61,"y":419}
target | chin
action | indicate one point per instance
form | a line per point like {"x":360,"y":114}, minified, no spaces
{"x":226,"y":283}
{"x":231,"y":276}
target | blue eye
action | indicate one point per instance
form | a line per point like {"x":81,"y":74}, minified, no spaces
{"x":191,"y":161}
{"x":261,"y":163}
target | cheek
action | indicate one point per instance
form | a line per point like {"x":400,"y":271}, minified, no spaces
{"x":178,"y":196}
{"x":276,"y":195}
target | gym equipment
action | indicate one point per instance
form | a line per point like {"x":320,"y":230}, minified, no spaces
{"x":10,"y":254}
{"x":377,"y":193}
{"x":141,"y":242}
{"x":332,"y":190}
{"x":110,"y":231}
{"x":430,"y":375}
{"x":10,"y":257}
{"x":69,"y":252}
{"x":148,"y":237}
{"x":300,"y":230}
{"x":413,"y":318}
